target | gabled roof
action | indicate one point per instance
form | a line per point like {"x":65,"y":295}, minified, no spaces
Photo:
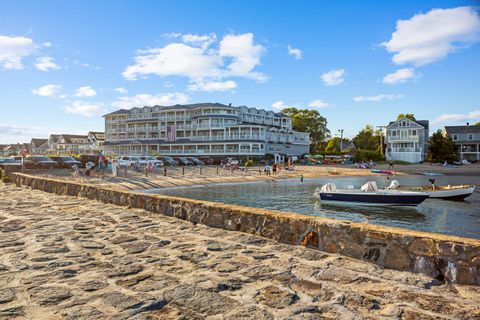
{"x":96,"y":134}
{"x":68,"y":137}
{"x":423,"y":123}
{"x":38,"y":142}
{"x":462,"y":129}
{"x":55,"y":137}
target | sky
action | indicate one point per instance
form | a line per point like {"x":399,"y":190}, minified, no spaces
{"x":64,"y":64}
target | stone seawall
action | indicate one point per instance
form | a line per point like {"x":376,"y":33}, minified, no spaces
{"x":454,"y":259}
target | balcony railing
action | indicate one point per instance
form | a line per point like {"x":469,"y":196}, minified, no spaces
{"x":402,"y":138}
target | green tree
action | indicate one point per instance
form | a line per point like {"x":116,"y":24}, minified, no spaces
{"x":312,"y":122}
{"x":406,"y":115}
{"x":477,"y":124}
{"x":442,"y":148}
{"x":368,"y":139}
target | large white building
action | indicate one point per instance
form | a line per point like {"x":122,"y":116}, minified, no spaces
{"x":210,"y":129}
{"x":407,"y":140}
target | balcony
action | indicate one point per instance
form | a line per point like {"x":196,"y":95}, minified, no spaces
{"x":392,"y":150}
{"x":402,"y":138}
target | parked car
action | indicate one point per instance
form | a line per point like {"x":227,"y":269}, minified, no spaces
{"x":9,"y":162}
{"x":152,"y":160}
{"x":196,"y":161}
{"x":127,"y":161}
{"x":40,"y":162}
{"x":84,"y":158}
{"x":168,"y":161}
{"x":66,"y":161}
{"x":183,"y":161}
{"x":207,"y":160}
{"x":17,"y":158}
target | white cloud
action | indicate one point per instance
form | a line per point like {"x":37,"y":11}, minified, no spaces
{"x":457,"y":117}
{"x":334,"y":77}
{"x":50,"y":90}
{"x":279,"y":105}
{"x":85,"y":109}
{"x":144,"y":99}
{"x":429,"y":37}
{"x":400,"y":76}
{"x":15,"y":133}
{"x":378,"y":97}
{"x":13,"y":50}
{"x":245,"y":55}
{"x":197,"y":59}
{"x":202,"y":41}
{"x":46,"y":63}
{"x":85,"y":92}
{"x":297,"y":53}
{"x":121,"y":90}
{"x":320,"y":104}
{"x":213,"y":86}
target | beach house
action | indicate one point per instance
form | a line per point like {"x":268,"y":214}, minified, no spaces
{"x":467,"y":138}
{"x":407,"y":140}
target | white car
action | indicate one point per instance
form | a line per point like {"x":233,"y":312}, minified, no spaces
{"x":127,"y":161}
{"x":152,"y":160}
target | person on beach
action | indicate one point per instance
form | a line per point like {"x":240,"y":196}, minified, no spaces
{"x":267,"y":168}
{"x":274,"y":169}
{"x":89,"y":167}
{"x":114,"y":168}
{"x":390,"y":165}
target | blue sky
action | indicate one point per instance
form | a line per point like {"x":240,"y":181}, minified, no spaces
{"x":64,"y":64}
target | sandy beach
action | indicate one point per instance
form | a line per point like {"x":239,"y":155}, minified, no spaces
{"x":193,"y":176}
{"x":73,"y":258}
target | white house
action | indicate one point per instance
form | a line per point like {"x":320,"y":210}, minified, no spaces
{"x":407,"y":140}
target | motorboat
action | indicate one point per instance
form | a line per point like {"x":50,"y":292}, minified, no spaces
{"x":448,"y":192}
{"x":370,"y":195}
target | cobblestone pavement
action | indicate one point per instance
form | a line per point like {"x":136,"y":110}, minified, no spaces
{"x":72,"y":258}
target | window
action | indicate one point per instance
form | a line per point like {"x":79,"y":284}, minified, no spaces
{"x":414,"y":132}
{"x":470,"y":137}
{"x":455,"y":137}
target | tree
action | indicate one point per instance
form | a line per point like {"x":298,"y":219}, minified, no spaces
{"x":406,"y":115}
{"x":333,"y":145}
{"x":477,"y":124}
{"x":368,"y":139}
{"x":309,"y":121}
{"x":442,"y":148}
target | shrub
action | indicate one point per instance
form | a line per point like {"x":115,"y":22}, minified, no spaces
{"x":249,"y":163}
{"x":367,"y":155}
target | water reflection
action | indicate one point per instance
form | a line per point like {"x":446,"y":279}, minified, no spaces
{"x":456,"y":218}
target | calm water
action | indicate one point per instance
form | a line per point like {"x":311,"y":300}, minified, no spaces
{"x":448,"y":217}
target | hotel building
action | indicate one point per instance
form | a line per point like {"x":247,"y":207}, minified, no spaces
{"x":210,"y":129}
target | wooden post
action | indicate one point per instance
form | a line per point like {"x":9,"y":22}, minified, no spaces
{"x":146,"y":171}
{"x":125,"y":172}
{"x":217,"y":168}
{"x":200,"y":168}
{"x":183,"y":171}
{"x":165,"y":171}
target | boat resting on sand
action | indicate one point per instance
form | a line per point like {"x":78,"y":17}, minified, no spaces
{"x":370,"y":195}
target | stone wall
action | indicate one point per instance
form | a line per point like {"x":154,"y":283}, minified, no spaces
{"x":450,"y":258}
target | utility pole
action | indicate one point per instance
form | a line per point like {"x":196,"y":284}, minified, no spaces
{"x":381,"y":139}
{"x":341,"y":139}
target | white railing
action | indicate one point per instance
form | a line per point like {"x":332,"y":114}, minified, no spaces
{"x":405,"y":138}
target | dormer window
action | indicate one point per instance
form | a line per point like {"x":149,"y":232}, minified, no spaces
{"x":470,"y":136}
{"x":455,"y":137}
